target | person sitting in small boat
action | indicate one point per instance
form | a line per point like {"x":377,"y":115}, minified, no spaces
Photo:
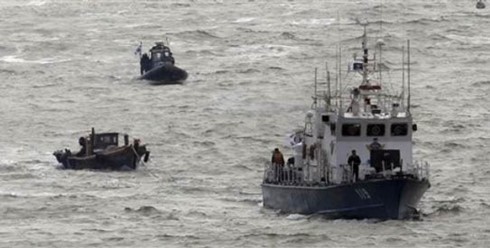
{"x":145,"y":63}
{"x":83,"y":150}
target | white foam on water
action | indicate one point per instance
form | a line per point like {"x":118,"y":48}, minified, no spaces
{"x":15,"y":59}
{"x":297,"y":217}
{"x":37,"y":3}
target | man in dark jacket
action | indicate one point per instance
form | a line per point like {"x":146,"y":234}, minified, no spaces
{"x":144,"y":63}
{"x":354,"y":161}
{"x":83,"y":150}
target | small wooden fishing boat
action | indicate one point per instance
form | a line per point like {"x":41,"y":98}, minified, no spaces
{"x":101,"y":151}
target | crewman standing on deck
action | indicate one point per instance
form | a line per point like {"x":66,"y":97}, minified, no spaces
{"x":354,"y":161}
{"x":277,"y":157}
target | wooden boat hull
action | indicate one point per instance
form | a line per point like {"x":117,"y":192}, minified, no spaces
{"x":118,"y":158}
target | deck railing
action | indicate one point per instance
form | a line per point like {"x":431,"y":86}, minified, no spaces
{"x":318,"y":175}
{"x":283,"y":174}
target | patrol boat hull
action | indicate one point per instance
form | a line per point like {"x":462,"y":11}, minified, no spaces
{"x":377,"y":198}
{"x":165,"y":74}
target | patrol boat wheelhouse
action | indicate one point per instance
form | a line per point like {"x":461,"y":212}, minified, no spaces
{"x":318,"y":178}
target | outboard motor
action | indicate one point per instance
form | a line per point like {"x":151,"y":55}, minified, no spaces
{"x":62,"y":156}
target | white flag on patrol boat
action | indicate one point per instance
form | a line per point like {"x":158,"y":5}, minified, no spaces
{"x":138,"y":49}
{"x":294,"y":138}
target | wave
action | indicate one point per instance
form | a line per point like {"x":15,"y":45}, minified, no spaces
{"x":244,"y":19}
{"x":10,"y":195}
{"x":197,"y":34}
{"x":242,"y":167}
{"x":485,"y":205}
{"x":297,"y":217}
{"x":144,"y":210}
{"x":278,"y":236}
{"x":202,"y":52}
{"x":425,"y":21}
{"x":222,"y":72}
{"x":446,"y":209}
{"x":185,"y":5}
{"x":37,"y":3}
{"x":249,"y":30}
{"x":275,"y":68}
{"x":7,"y":71}
{"x":254,"y":51}
{"x":251,"y":202}
{"x":481,"y":84}
{"x":198,"y":214}
{"x":438,"y":37}
{"x":313,"y":22}
{"x":194,"y":189}
{"x":205,"y":143}
{"x":180,"y":237}
{"x":454,"y":144}
{"x":247,"y":71}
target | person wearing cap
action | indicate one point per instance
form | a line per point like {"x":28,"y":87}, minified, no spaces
{"x":83,"y":150}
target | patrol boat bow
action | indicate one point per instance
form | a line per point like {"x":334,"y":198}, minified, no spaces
{"x":318,"y":178}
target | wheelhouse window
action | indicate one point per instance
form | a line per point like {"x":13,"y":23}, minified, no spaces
{"x":102,"y":141}
{"x":351,"y":130}
{"x":375,"y":129}
{"x":399,"y":129}
{"x":155,"y":56}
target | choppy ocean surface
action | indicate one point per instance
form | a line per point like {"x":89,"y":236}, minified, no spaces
{"x":67,"y":66}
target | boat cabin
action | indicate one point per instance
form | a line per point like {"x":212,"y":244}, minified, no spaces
{"x":161,"y":53}
{"x":104,"y":140}
{"x":345,"y":133}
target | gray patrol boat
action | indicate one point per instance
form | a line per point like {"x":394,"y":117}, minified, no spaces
{"x":321,"y":178}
